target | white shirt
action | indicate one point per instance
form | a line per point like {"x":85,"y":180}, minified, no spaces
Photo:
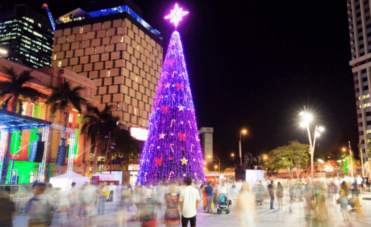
{"x":189,"y":195}
{"x":359,"y":180}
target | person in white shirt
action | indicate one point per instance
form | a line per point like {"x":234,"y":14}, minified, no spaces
{"x":188,"y":201}
{"x":359,"y":182}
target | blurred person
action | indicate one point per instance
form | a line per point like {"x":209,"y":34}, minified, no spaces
{"x":130,"y":196}
{"x":7,"y":210}
{"x":359,"y":181}
{"x":159,"y":196}
{"x":331,"y":190}
{"x":245,"y":207}
{"x":320,"y":206}
{"x":344,"y":202}
{"x":172,"y":216}
{"x":209,"y":196}
{"x":356,"y":204}
{"x":138,"y":198}
{"x":203,"y":196}
{"x":39,"y":207}
{"x":189,"y":201}
{"x":344,"y":186}
{"x":123,"y":205}
{"x":239,"y":186}
{"x":279,"y":194}
{"x":72,"y":197}
{"x":104,"y":193}
{"x":223,"y":188}
{"x":234,"y":189}
{"x":271,"y":193}
{"x":81,"y":211}
{"x":215,"y":200}
{"x":90,"y":196}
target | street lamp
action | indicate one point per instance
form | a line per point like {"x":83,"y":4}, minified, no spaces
{"x":243,"y":131}
{"x":265,"y":157}
{"x":211,"y":157}
{"x":232,"y":156}
{"x":216,"y":167}
{"x":3,"y":53}
{"x":307,"y":118}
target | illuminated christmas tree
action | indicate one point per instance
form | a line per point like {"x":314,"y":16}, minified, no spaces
{"x":172,"y":150}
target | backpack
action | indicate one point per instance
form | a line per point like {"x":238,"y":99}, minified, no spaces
{"x":106,"y":192}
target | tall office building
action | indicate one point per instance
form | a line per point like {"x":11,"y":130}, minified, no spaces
{"x":359,"y":20}
{"x":206,"y":142}
{"x":117,"y":49}
{"x":27,"y":36}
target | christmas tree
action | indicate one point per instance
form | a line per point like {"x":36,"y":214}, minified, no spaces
{"x":172,"y":150}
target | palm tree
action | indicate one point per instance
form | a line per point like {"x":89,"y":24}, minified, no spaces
{"x":63,"y":98}
{"x":97,"y":125}
{"x":17,"y":89}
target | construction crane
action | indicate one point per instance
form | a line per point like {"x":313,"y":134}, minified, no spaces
{"x":45,"y":6}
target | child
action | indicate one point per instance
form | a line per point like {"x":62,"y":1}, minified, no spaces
{"x":343,"y":201}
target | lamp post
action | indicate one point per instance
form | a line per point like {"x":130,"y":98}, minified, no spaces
{"x":243,"y":131}
{"x":232,"y":156}
{"x":307,"y":118}
{"x":211,"y":157}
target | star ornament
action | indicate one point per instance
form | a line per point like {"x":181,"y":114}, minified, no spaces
{"x":162,"y":136}
{"x":176,"y":15}
{"x":184,"y":161}
{"x":181,"y":108}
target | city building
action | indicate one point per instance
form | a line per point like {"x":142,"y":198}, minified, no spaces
{"x":27,"y":36}
{"x":116,"y":48}
{"x":207,"y":142}
{"x":21,"y":140}
{"x":359,"y":21}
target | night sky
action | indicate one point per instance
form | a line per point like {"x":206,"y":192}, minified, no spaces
{"x":255,"y":64}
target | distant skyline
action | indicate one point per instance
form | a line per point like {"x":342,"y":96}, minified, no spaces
{"x":254,"y":64}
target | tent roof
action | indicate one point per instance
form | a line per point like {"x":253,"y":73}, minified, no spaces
{"x":11,"y":121}
{"x":73,"y":175}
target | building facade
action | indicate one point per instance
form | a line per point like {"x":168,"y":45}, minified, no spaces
{"x":206,"y":137}
{"x":27,"y":36}
{"x":21,"y":140}
{"x":359,"y":21}
{"x":116,"y":49}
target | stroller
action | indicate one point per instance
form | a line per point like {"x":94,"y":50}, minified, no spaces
{"x":223,"y":204}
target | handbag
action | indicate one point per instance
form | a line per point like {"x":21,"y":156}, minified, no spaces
{"x":212,"y":205}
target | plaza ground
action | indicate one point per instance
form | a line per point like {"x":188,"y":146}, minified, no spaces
{"x":266,"y":217}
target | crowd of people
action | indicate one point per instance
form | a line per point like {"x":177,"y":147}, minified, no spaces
{"x":177,"y":204}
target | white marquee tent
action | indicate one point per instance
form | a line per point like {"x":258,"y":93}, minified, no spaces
{"x":64,"y":181}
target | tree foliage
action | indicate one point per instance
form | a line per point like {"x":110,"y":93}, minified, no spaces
{"x":64,"y":98}
{"x":17,"y":90}
{"x":98,"y":124}
{"x":293,"y":155}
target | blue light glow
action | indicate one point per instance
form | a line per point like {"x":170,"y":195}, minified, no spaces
{"x":122,"y":9}
{"x":50,"y":18}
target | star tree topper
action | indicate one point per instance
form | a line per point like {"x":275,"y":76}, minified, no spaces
{"x":176,"y":15}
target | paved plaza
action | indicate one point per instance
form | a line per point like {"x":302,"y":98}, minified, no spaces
{"x":266,"y":217}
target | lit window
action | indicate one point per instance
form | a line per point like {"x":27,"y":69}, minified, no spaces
{"x":59,"y":63}
{"x":108,"y":73}
{"x":118,"y":106}
{"x":122,"y":38}
{"x":24,"y":107}
{"x":136,"y":78}
{"x":135,"y":111}
{"x":81,"y":29}
{"x":70,"y":118}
